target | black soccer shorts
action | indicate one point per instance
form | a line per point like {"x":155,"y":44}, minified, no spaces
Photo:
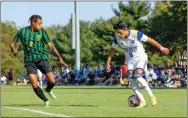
{"x":42,"y":65}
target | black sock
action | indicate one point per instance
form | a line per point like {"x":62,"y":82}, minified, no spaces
{"x":49,"y":87}
{"x":40,"y":94}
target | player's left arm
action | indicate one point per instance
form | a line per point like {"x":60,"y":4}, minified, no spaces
{"x":145,"y":38}
{"x":52,"y":47}
{"x":159,"y":46}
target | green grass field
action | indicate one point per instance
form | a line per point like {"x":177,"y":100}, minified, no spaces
{"x":92,"y":101}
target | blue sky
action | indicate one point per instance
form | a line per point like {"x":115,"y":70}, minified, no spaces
{"x":54,"y":12}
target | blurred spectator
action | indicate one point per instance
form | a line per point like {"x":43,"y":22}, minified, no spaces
{"x":99,"y":75}
{"x":66,"y":75}
{"x":72,"y":77}
{"x":21,"y":80}
{"x":58,"y":78}
{"x":110,"y":80}
{"x":87,"y":70}
{"x":10,"y":76}
{"x":76,"y":79}
{"x":174,"y":78}
{"x":39,"y":74}
{"x":151,"y":77}
{"x":183,"y":81}
{"x":157,"y":70}
{"x":82,"y":75}
{"x":99,"y":71}
{"x":124,"y":76}
{"x":90,"y":80}
{"x":117,"y":75}
{"x":3,"y":80}
{"x":112,"y":68}
{"x":169,"y":76}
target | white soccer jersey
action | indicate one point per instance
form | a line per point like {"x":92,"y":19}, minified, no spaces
{"x":132,"y":45}
{"x":39,"y":73}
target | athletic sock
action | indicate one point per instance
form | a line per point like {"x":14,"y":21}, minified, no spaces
{"x":40,"y":94}
{"x":143,"y":82}
{"x":49,"y":87}
{"x":139,"y":94}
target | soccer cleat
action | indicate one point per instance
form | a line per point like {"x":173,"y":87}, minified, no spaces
{"x":52,"y":95}
{"x":153,"y":101}
{"x":142,"y":104}
{"x":46,"y":104}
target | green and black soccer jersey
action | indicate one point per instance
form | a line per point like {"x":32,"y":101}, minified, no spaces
{"x":33,"y":43}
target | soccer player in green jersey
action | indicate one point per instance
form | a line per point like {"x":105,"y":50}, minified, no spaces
{"x":33,"y":39}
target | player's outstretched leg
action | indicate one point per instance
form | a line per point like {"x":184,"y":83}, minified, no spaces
{"x":50,"y":84}
{"x":41,"y":95}
{"x":38,"y":91}
{"x":143,"y":82}
{"x":135,"y":88}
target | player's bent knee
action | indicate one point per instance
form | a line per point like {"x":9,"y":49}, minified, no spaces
{"x":130,"y":76}
{"x":51,"y":77}
{"x":52,"y":81}
{"x":142,"y":81}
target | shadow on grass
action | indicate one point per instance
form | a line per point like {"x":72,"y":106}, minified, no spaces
{"x":21,"y":105}
{"x":82,"y":105}
{"x":39,"y":105}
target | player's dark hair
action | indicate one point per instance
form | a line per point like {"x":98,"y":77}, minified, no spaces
{"x":34,"y":18}
{"x":120,"y":25}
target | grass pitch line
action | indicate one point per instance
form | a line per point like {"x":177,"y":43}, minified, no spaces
{"x":37,"y":111}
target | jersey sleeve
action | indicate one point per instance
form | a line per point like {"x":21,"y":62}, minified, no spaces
{"x":17,"y":37}
{"x":141,"y":36}
{"x":45,"y":36}
{"x":114,"y":43}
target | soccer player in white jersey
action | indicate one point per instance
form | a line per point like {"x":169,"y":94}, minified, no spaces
{"x":136,"y":58}
{"x":39,"y":73}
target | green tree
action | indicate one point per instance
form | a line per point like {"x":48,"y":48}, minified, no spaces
{"x":132,"y":12}
{"x":104,"y":37}
{"x":168,"y":22}
{"x":8,"y":60}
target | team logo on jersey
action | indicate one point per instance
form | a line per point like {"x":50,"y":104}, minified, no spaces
{"x":122,"y":43}
{"x":38,"y":37}
{"x":30,"y":44}
{"x":132,"y":41}
{"x":134,"y":36}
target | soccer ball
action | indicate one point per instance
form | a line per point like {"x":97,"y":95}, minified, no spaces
{"x":133,"y":100}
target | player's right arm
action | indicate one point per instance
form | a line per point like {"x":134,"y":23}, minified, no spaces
{"x":12,"y":45}
{"x":110,"y":54}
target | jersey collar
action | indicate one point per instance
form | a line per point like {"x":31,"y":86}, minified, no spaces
{"x":128,"y":34}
